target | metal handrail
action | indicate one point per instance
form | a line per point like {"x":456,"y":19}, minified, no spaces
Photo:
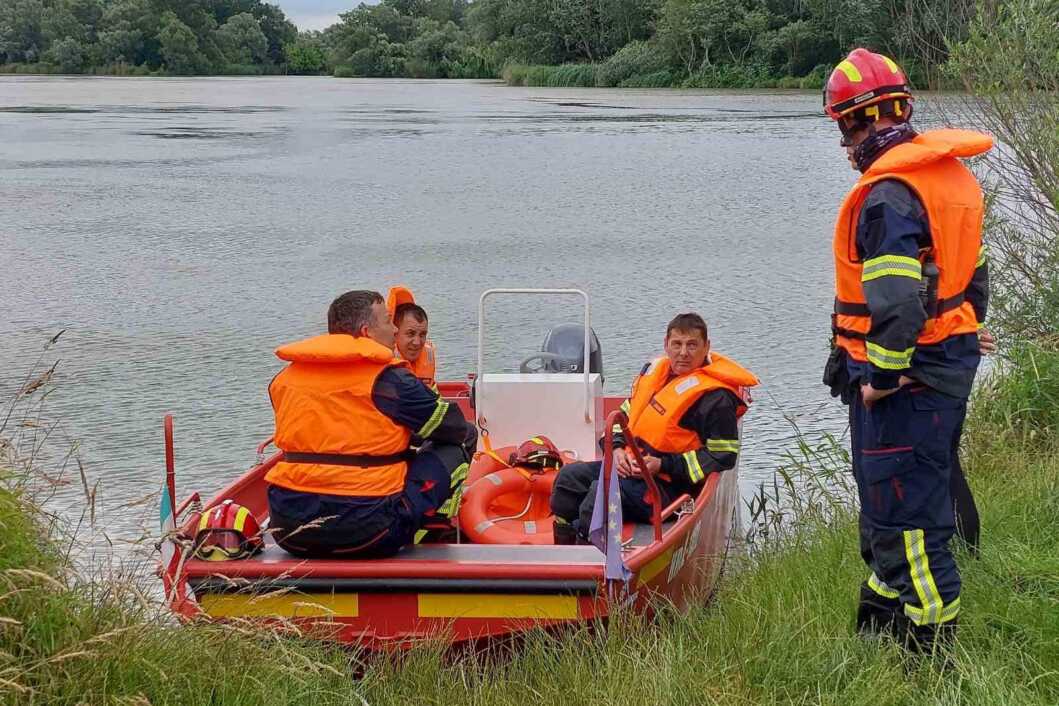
{"x":617,"y":417}
{"x":480,"y":392}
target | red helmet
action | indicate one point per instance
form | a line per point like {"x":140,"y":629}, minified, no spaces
{"x":228,"y":531}
{"x":538,"y":452}
{"x":865,"y":79}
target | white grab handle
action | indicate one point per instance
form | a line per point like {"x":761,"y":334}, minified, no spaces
{"x":479,"y":379}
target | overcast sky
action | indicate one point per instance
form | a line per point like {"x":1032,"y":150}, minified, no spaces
{"x":315,"y":14}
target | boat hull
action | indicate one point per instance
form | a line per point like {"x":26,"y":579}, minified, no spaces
{"x":456,"y":593}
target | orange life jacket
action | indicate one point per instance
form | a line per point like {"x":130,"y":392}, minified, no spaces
{"x":425,"y":366}
{"x":929,"y":166}
{"x":658,"y":403}
{"x":335,"y":441}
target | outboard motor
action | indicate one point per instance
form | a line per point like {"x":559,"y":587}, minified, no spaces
{"x":563,"y":351}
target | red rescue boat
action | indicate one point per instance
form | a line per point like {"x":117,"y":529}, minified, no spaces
{"x":493,"y":583}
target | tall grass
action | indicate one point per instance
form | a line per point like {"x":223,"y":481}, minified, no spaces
{"x":630,"y":69}
{"x":564,"y":76}
{"x":779,"y":630}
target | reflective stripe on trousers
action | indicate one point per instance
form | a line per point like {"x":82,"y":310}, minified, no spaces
{"x":902,"y":460}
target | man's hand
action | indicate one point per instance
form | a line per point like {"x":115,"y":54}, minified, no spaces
{"x":626,"y":464}
{"x":986,"y":342}
{"x":653,"y":463}
{"x":623,"y":463}
{"x":870,"y":395}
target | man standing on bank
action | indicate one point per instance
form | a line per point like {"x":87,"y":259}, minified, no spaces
{"x":683,"y":416}
{"x":911,"y":288}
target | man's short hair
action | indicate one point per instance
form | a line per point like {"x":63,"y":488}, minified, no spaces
{"x":418,"y":313}
{"x":352,"y":311}
{"x":686,"y":323}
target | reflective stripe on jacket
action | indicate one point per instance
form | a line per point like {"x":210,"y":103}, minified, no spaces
{"x":658,"y":403}
{"x":929,"y":166}
{"x":324,"y":412}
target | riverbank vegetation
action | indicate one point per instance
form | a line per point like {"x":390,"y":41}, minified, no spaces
{"x":632,"y":43}
{"x":143,"y":37}
{"x":778,"y":632}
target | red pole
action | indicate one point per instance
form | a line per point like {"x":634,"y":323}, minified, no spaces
{"x":170,"y":463}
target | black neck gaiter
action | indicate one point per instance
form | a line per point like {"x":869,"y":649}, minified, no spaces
{"x":878,"y":142}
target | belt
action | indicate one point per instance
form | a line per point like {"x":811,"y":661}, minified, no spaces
{"x":942,"y":306}
{"x":363,"y":460}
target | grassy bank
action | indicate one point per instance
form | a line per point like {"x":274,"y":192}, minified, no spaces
{"x":779,"y":632}
{"x":616,"y":73}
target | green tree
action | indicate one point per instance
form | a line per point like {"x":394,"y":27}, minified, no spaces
{"x":307,"y":54}
{"x":241,"y":39}
{"x":71,"y":19}
{"x":68,"y":54}
{"x":21,"y":35}
{"x":436,"y":50}
{"x":128,"y":32}
{"x":179,"y":46}
{"x":797,"y":46}
{"x":582,"y":26}
{"x":279,"y":31}
{"x":517,"y":30}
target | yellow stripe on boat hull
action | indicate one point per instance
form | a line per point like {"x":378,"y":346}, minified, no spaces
{"x":479,"y":605}
{"x":289,"y":605}
{"x":654,"y":567}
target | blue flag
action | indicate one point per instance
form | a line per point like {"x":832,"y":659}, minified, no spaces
{"x":608,"y":538}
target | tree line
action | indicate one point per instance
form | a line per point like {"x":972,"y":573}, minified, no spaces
{"x":139,"y":36}
{"x":607,"y":42}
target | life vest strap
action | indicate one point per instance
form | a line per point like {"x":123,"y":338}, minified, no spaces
{"x":848,"y":333}
{"x":362,"y":460}
{"x":942,"y":306}
{"x":851,"y":308}
{"x":950,"y":303}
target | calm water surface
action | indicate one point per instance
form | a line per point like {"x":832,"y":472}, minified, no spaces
{"x":179,"y":230}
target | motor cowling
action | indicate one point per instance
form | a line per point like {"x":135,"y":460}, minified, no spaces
{"x":566,"y":344}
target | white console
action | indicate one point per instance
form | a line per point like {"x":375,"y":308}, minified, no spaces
{"x":515,"y":407}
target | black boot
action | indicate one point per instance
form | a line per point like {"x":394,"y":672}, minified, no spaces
{"x":929,"y":639}
{"x":563,"y":532}
{"x":877,"y":615}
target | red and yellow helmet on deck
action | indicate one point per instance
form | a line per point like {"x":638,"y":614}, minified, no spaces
{"x":866,"y":86}
{"x":537,"y":452}
{"x":227,"y":531}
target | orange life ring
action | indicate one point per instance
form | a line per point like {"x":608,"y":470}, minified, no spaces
{"x":486,"y":521}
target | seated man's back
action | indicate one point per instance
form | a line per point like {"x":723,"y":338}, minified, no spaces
{"x":346,"y":410}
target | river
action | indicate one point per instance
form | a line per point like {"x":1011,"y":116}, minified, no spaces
{"x":178,"y":230}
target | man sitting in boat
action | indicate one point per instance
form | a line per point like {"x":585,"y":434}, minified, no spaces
{"x":346,"y":410}
{"x":412,"y":329}
{"x":683,"y":414}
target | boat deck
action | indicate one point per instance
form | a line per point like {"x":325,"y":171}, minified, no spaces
{"x":498,"y":568}
{"x":461,"y":554}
